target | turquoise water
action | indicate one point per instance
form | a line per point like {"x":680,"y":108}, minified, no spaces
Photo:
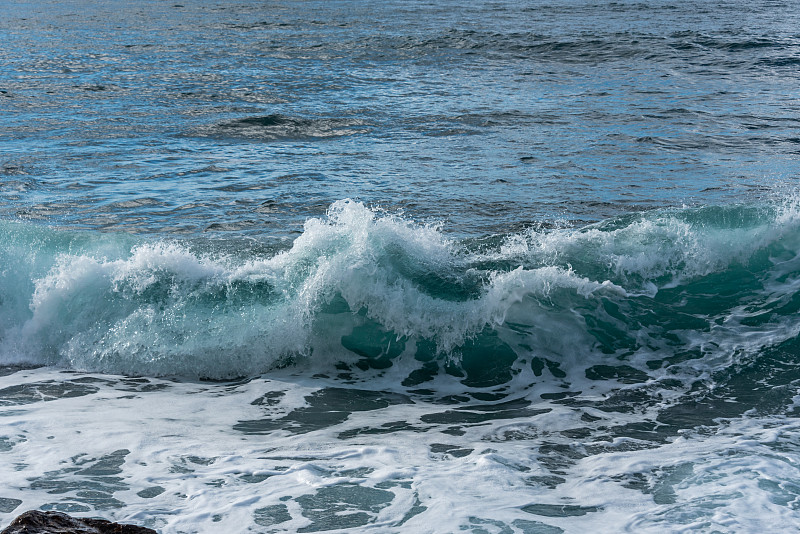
{"x":407,"y":267}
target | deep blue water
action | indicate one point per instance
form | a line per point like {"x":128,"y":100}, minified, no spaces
{"x":246,"y":118}
{"x":426,"y":266}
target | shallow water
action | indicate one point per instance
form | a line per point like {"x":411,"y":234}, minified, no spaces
{"x":408,"y":267}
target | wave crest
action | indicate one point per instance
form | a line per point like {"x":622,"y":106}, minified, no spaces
{"x":365,"y":288}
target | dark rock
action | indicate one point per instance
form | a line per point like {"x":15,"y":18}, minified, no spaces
{"x":36,"y":522}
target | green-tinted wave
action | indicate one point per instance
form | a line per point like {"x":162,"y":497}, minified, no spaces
{"x":630,"y":299}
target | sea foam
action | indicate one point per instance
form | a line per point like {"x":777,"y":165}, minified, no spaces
{"x":361,"y":285}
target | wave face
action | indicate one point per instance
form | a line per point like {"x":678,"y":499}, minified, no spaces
{"x":677,"y":292}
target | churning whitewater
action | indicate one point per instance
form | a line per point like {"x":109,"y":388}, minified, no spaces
{"x":364,"y":289}
{"x":587,"y":375}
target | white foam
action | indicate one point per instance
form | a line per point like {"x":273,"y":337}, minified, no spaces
{"x":160,"y":308}
{"x":180,"y":438}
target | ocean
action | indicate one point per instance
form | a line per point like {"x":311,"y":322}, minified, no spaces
{"x":497,"y":267}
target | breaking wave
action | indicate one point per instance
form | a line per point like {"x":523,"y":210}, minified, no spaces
{"x":672,"y":291}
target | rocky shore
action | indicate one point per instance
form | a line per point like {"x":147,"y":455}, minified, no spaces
{"x":36,"y":522}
